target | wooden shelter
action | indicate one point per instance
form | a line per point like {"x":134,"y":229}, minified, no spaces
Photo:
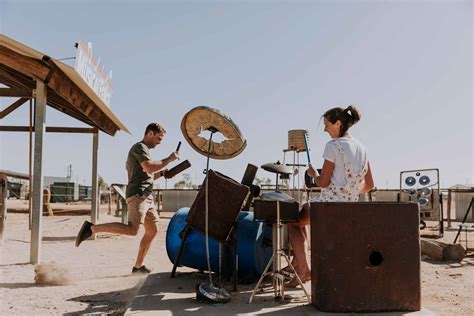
{"x":30,"y":75}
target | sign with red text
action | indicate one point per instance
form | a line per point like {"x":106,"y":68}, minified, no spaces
{"x":93,"y":73}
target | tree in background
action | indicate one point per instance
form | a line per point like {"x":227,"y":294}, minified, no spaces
{"x":103,"y":186}
{"x":263,"y":182}
{"x":185,"y":183}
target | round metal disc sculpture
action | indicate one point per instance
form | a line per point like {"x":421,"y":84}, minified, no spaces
{"x":203,"y":118}
{"x":410,"y":181}
{"x":424,"y":180}
{"x":426,"y":191}
{"x":196,"y":121}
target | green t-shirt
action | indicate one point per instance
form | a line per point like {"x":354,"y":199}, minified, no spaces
{"x":139,"y":182}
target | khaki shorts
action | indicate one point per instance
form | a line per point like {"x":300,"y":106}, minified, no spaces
{"x":139,"y":207}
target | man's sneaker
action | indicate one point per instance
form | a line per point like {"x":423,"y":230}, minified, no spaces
{"x":141,"y":270}
{"x":84,"y":233}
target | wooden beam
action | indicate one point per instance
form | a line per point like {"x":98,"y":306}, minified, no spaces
{"x":50,"y":129}
{"x":78,"y":130}
{"x":13,"y":92}
{"x":67,"y":90}
{"x":13,"y":174}
{"x":17,"y":79}
{"x":58,"y":103}
{"x":12,"y":107}
{"x":23,"y":64}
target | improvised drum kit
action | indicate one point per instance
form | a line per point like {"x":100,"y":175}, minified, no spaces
{"x":221,"y":209}
{"x":418,"y":185}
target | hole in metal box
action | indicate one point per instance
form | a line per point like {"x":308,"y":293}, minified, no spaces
{"x":375,"y":258}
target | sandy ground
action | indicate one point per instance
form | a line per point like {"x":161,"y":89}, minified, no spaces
{"x":102,"y":284}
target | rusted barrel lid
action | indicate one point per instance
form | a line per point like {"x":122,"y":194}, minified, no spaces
{"x":203,"y":118}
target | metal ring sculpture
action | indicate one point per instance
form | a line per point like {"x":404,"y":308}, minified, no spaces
{"x":204,"y":118}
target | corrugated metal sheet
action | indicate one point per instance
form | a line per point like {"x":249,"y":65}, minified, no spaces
{"x":461,"y":202}
{"x":172,"y":200}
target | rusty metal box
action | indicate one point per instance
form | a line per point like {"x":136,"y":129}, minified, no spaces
{"x":365,"y":257}
{"x":226,"y":197}
{"x":267,"y":211}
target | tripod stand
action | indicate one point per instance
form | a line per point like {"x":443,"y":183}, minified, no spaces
{"x":278,"y":277}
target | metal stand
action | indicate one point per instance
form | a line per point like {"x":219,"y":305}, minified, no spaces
{"x":464,"y":220}
{"x":209,"y":291}
{"x":296,"y":174}
{"x":278,"y":277}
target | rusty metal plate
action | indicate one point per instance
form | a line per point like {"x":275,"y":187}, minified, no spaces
{"x":267,"y":211}
{"x":365,"y":256}
{"x":204,"y":118}
{"x":226,"y":197}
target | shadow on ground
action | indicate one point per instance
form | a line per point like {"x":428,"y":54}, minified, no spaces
{"x":162,"y":294}
{"x":59,"y":238}
{"x":109,"y":303}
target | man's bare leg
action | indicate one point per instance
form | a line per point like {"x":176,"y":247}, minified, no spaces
{"x":116,"y":228}
{"x":151,"y":229}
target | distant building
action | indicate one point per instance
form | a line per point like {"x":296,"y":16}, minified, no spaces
{"x":47,"y":181}
{"x":462,"y":200}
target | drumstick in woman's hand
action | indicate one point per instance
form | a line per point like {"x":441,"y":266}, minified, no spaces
{"x":307,"y":148}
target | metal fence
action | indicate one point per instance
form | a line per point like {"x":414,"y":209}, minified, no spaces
{"x":458,"y":202}
{"x":171,"y":200}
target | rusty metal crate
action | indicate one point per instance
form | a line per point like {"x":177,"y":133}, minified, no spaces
{"x":365,"y":257}
{"x":266,"y":211}
{"x":226,"y":197}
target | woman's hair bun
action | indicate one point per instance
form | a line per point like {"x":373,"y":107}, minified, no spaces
{"x":352,"y":115}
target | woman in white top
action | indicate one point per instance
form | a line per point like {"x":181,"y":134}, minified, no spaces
{"x":345,"y":173}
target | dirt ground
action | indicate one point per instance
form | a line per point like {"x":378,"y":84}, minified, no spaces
{"x":101,"y":283}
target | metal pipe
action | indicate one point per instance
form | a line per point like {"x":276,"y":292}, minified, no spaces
{"x":37,"y":211}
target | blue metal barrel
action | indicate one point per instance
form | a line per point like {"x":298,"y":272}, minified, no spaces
{"x":254,"y":245}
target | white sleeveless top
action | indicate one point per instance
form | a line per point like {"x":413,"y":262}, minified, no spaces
{"x":350,"y":166}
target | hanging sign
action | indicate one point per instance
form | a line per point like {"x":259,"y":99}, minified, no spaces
{"x":93,"y":73}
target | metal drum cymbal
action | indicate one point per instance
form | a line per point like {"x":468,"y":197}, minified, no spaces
{"x":424,"y":180}
{"x":277,"y":168}
{"x":423,"y":201}
{"x":411,"y":191}
{"x":203,"y":118}
{"x":410,"y":181}
{"x":426,"y":191}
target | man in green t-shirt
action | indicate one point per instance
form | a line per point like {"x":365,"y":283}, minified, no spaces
{"x":142,"y":171}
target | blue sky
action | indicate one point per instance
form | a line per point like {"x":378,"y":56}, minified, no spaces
{"x":272,"y":66}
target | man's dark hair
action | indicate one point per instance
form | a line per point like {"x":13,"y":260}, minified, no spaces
{"x":155,"y":128}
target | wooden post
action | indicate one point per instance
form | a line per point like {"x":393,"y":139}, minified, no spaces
{"x":449,"y":207}
{"x":47,"y":209}
{"x":30,"y":164}
{"x":110,"y":201}
{"x":95,"y":181}
{"x":3,"y":206}
{"x":37,"y":205}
